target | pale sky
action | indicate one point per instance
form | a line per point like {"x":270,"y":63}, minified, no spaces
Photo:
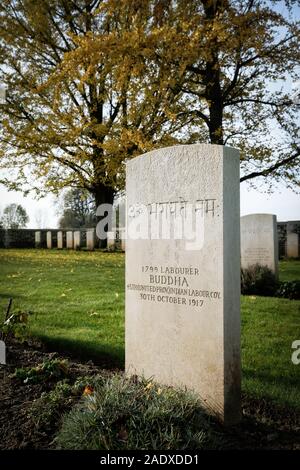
{"x":284,"y":203}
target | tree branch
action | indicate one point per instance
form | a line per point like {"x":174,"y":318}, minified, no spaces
{"x":272,"y":168}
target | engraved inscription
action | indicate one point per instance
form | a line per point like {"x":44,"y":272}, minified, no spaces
{"x":176,"y":208}
{"x":168,"y":284}
{"x":252,"y":255}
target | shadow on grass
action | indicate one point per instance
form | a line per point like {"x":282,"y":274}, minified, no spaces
{"x":280,"y":390}
{"x":105,"y":356}
{"x":284,"y":381}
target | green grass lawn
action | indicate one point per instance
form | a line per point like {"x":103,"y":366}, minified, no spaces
{"x":289,"y":270}
{"x":78,"y":303}
{"x":77,"y":298}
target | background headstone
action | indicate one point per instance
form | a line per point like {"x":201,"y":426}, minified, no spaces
{"x":49,"y":240}
{"x":90,"y":239}
{"x":183,"y":294}
{"x":70,"y":240}
{"x":60,"y":240}
{"x":77,"y":240}
{"x":38,"y":239}
{"x":259,"y":242}
{"x":292,"y":242}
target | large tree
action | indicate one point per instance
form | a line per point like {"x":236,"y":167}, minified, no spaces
{"x":247,"y":51}
{"x":77,"y":103}
{"x":91,"y":83}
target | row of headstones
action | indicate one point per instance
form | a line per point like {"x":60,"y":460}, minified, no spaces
{"x":73,"y":239}
{"x":259,"y":241}
{"x":70,"y":239}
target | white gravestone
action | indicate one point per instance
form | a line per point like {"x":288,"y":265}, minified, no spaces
{"x":77,"y":240}
{"x":90,"y":239}
{"x":49,"y":240}
{"x":38,"y":239}
{"x":70,"y":240}
{"x":259,"y":242}
{"x":60,"y":240}
{"x":292,"y":242}
{"x":183,"y":272}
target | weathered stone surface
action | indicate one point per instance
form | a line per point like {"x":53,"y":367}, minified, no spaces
{"x":183,"y":289}
{"x":259,"y":242}
{"x":70,"y":240}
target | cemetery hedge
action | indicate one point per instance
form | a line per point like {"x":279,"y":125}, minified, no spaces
{"x":77,"y":300}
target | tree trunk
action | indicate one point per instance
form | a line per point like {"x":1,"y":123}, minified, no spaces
{"x":216,"y":119}
{"x":103,"y":195}
{"x":213,"y":94}
{"x":213,"y":91}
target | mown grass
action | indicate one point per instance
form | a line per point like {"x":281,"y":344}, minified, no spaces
{"x":77,"y":299}
{"x":289,"y":270}
{"x":269,"y":326}
{"x":78,"y":304}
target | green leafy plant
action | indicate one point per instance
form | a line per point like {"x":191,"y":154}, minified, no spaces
{"x":48,"y":370}
{"x":16,"y":325}
{"x":258,"y":280}
{"x":123,"y":413}
{"x":289,"y":290}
